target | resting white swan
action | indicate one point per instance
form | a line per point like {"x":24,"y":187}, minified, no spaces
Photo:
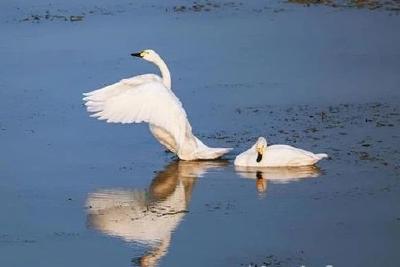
{"x":259,"y":155}
{"x":149,"y":98}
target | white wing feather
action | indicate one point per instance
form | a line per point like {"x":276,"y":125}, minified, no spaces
{"x":132,"y":101}
{"x":116,"y":88}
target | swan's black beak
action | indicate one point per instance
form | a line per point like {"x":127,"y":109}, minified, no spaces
{"x":139,"y":54}
{"x":259,"y":157}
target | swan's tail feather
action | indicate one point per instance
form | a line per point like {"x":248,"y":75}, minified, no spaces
{"x":212,"y":153}
{"x":205,"y":152}
{"x":321,"y":156}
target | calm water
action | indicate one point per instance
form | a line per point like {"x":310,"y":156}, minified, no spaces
{"x":78,"y":192}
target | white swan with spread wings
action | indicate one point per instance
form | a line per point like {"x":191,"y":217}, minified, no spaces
{"x":149,"y":98}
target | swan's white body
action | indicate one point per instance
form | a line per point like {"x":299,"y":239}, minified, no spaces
{"x":149,"y":98}
{"x":276,"y":156}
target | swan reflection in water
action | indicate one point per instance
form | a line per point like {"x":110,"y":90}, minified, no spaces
{"x":280,"y":175}
{"x":148,"y":216}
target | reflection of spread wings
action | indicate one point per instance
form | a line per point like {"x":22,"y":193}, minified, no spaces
{"x":280,"y":174}
{"x":129,"y":214}
{"x":147,"y":217}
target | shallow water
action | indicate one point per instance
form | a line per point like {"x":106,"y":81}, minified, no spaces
{"x":78,"y":192}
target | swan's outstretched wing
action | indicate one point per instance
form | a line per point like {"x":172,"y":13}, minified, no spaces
{"x":116,"y":88}
{"x":150,"y":102}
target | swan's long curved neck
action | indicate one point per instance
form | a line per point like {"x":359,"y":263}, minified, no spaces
{"x":166,"y":76}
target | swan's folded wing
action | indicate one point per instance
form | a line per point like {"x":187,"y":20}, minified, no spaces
{"x":148,"y":102}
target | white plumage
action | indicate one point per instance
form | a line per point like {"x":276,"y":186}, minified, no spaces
{"x":126,"y":102}
{"x":261,"y":155}
{"x":149,"y":98}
